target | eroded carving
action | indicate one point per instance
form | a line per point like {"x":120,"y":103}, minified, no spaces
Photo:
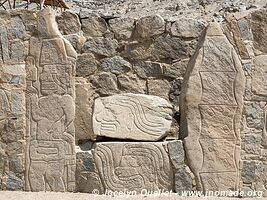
{"x":218,"y":181}
{"x":133,"y":166}
{"x":211,"y":118}
{"x":217,"y":54}
{"x":132,"y":116}
{"x":212,"y":125}
{"x":50,"y":110}
{"x":215,"y":83}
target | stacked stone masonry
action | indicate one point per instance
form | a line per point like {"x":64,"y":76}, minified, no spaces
{"x":121,"y":103}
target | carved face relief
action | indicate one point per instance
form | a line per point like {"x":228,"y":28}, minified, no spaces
{"x":112,"y":119}
{"x":47,"y":83}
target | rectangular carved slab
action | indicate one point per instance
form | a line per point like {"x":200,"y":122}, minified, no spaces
{"x":132,"y":116}
{"x":134,"y":166}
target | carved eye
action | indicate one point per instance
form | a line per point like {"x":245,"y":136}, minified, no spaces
{"x":98,"y":118}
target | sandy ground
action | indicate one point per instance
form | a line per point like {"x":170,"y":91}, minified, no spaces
{"x":83,"y":196}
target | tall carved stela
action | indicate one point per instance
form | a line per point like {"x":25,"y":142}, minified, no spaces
{"x":211,"y":118}
{"x":50,"y":70}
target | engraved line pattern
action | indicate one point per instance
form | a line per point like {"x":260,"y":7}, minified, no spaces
{"x":120,"y":178}
{"x":211,"y":53}
{"x":105,"y":156}
{"x":140,"y":119}
{"x":158,"y":158}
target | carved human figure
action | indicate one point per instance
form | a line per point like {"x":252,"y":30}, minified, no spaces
{"x":50,"y":109}
{"x":50,"y":148}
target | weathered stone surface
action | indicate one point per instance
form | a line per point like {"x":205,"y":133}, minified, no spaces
{"x":138,"y":51}
{"x":159,"y":88}
{"x":260,"y":183}
{"x":13,"y":51}
{"x":94,"y":26}
{"x":133,"y":166}
{"x":12,"y":130}
{"x":50,"y":109}
{"x":259,"y":29}
{"x":183,"y":181}
{"x":101,"y":46}
{"x":254,"y":115}
{"x":105,"y":83}
{"x":14,"y":183}
{"x":252,"y":143}
{"x":169,"y":48}
{"x":176,"y":153}
{"x":18,"y":51}
{"x":244,"y":27}
{"x":187,"y":27}
{"x":233,"y":32}
{"x":130,"y":83}
{"x":68,"y":23}
{"x":259,"y":77}
{"x":122,"y":27}
{"x":16,"y":29}
{"x":4,"y":45}
{"x":86,"y":64}
{"x":29,"y":19}
{"x":77,"y":41}
{"x":5,"y":17}
{"x":177,"y":69}
{"x":12,"y":102}
{"x":116,"y":65}
{"x":148,"y":69}
{"x":175,"y":91}
{"x":211,"y":107}
{"x":87,"y":178}
{"x":84,"y":109}
{"x":132,"y":116}
{"x":150,"y":26}
{"x":248,"y":172}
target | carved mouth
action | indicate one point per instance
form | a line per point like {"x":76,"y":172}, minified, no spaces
{"x":49,"y":86}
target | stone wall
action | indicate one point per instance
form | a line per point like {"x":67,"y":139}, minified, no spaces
{"x":13,"y":48}
{"x":249,"y":40}
{"x":125,"y":55}
{"x":160,"y":103}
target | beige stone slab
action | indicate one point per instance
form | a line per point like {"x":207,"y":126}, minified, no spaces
{"x":132,"y":116}
{"x":134,"y":166}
